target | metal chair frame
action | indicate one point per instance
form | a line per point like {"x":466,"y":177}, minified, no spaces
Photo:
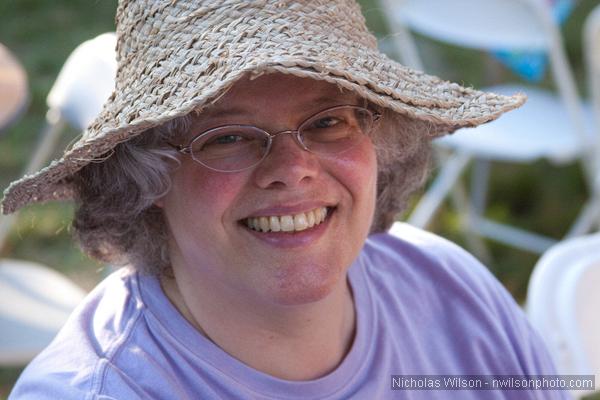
{"x":406,"y":16}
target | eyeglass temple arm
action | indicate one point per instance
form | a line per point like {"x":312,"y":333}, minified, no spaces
{"x":180,"y":148}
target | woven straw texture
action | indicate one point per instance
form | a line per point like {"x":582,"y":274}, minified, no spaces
{"x":175,"y":56}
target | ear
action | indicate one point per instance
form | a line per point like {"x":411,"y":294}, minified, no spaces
{"x":160,"y":203}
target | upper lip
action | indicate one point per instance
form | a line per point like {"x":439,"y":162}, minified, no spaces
{"x":287,"y":209}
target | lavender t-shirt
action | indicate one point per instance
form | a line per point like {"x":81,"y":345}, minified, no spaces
{"x":424,"y":306}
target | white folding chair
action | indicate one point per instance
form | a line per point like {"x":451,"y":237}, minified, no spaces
{"x":36,"y":300}
{"x":83,"y":84}
{"x":551,"y":125}
{"x":562,"y":304}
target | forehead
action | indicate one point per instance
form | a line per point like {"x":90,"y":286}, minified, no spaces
{"x":278,"y":92}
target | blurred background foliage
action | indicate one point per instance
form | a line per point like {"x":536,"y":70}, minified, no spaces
{"x":42,"y":33}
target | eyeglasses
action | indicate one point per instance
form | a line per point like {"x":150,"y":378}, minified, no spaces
{"x":234,"y":148}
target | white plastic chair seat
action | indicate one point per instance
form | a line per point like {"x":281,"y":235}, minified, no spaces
{"x":579,"y":300}
{"x":539,"y":129}
{"x":475,"y":23}
{"x":35,"y":302}
{"x":562,"y":304}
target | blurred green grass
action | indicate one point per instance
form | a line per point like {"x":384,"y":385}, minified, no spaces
{"x":41,"y":34}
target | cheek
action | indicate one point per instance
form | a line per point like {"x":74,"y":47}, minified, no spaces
{"x":358,"y":171}
{"x":201,"y":192}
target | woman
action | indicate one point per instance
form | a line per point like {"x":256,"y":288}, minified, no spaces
{"x":247,"y":168}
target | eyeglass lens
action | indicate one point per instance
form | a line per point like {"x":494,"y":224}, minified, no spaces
{"x":238,"y":147}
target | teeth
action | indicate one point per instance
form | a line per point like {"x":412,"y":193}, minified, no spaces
{"x":264,"y":224}
{"x":310,"y":217}
{"x":288,"y":223}
{"x":254,"y":223}
{"x":275,"y":225}
{"x":300,"y":222}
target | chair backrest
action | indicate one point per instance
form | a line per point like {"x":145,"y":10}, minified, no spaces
{"x":489,"y":25}
{"x":479,"y":24}
{"x":85,"y":81}
{"x":562,"y":303}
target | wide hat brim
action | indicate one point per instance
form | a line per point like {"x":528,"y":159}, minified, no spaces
{"x":162,"y":82}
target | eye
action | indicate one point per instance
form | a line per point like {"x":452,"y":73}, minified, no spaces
{"x":229,"y":142}
{"x":326,"y":122}
{"x":226,"y":139}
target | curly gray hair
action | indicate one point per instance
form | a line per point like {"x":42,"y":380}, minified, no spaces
{"x":116,"y":220}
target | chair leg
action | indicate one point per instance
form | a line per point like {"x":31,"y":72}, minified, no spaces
{"x":450,"y":172}
{"x":588,"y":218}
{"x":479,"y":185}
{"x":512,"y":236}
{"x":6,"y":223}
{"x":46,"y":145}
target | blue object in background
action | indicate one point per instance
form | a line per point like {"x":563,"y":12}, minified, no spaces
{"x":531,"y":65}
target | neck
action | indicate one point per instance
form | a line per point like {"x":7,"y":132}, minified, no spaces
{"x":293,"y":342}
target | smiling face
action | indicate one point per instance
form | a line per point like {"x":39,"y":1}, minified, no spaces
{"x":217,"y":220}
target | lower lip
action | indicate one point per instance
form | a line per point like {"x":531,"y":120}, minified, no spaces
{"x":295,"y":239}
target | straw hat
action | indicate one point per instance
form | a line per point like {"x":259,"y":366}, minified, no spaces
{"x":178,"y":56}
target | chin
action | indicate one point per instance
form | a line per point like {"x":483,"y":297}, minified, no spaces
{"x":297,"y":286}
{"x":301,"y":296}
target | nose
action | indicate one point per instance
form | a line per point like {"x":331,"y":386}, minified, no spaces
{"x":288,"y":164}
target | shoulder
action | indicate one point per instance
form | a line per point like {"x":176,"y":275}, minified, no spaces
{"x":73,"y":365}
{"x":411,"y":260}
{"x":414,"y":253}
{"x":434,"y":285}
